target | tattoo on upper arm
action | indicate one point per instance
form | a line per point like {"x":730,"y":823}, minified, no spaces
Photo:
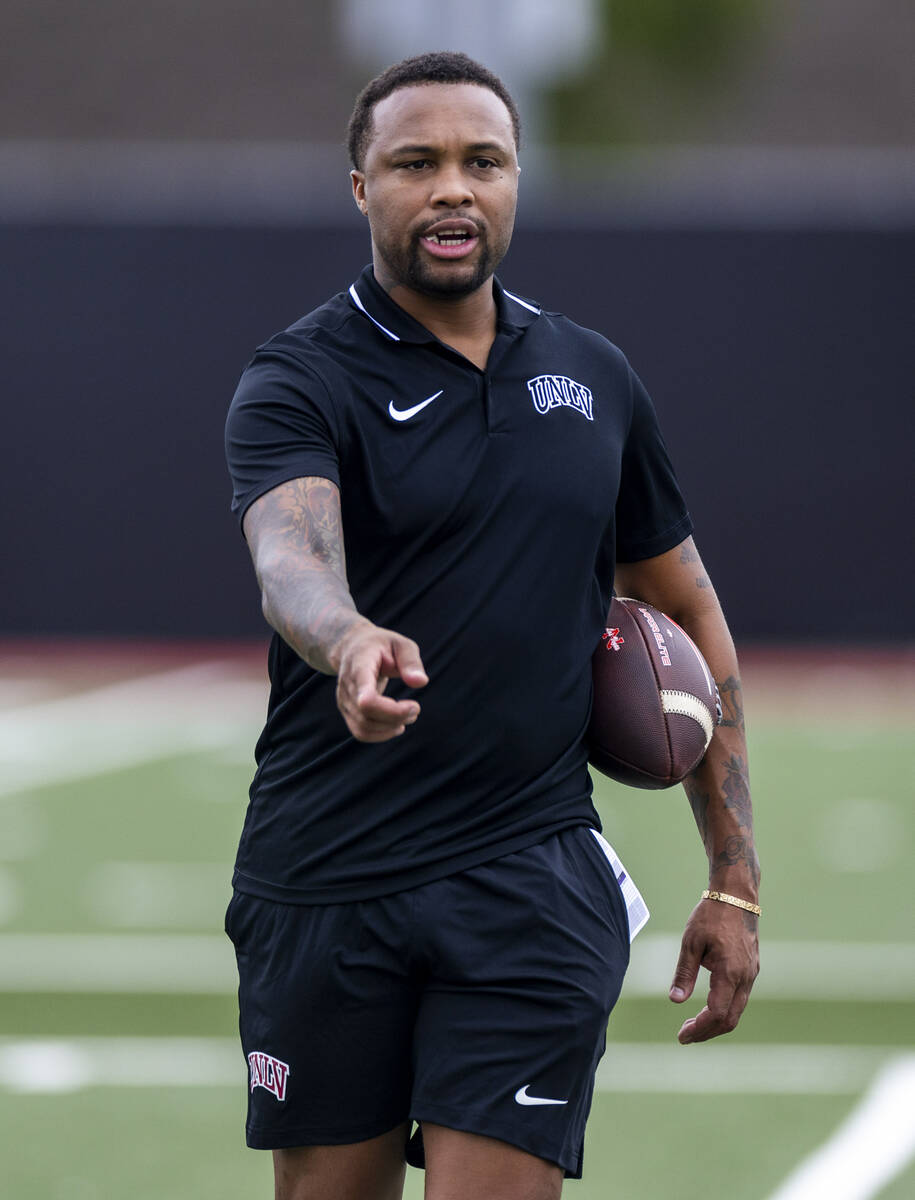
{"x":307,"y":514}
{"x":689,"y":554}
{"x":731,"y":695}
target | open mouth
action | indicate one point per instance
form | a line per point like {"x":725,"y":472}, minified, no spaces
{"x":450,"y":242}
{"x":449,"y":237}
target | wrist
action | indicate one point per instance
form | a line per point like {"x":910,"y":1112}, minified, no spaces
{"x":733,"y":901}
{"x":740,"y":881}
{"x":347,"y":627}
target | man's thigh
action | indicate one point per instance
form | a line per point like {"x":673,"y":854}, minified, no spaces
{"x":465,"y":1166}
{"x":369,"y":1170}
{"x":527,"y":955}
{"x":327,"y":1002}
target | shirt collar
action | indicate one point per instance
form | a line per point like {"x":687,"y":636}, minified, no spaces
{"x":370,"y":298}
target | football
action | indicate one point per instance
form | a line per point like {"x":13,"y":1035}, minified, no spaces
{"x":655,"y":704}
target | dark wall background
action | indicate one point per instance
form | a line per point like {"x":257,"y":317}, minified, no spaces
{"x":781,"y":364}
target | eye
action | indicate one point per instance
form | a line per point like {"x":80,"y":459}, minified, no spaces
{"x":415,"y":164}
{"x":484,"y":164}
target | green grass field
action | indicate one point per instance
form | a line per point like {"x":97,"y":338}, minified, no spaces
{"x":121,"y":796}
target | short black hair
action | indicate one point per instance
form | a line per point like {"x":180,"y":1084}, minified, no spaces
{"x":442,"y":66}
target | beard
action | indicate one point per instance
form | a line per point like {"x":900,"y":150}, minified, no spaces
{"x":428,"y":277}
{"x":411,"y":267}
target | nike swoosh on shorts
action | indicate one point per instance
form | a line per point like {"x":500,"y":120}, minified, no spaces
{"x":404,"y":414}
{"x":521,"y":1097}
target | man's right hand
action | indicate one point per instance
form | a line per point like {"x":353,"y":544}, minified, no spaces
{"x":296,"y":540}
{"x":368,"y":657}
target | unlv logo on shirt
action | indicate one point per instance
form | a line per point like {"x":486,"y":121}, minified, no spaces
{"x":268,"y":1072}
{"x":555,"y":391}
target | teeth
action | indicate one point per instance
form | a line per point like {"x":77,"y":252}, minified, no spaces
{"x":448,"y":238}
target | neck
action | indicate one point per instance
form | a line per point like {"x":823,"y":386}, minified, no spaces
{"x":455,"y":320}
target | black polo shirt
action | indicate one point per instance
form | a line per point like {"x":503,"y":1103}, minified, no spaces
{"x":482,"y":512}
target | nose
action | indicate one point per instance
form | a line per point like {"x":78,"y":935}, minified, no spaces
{"x":451,"y":188}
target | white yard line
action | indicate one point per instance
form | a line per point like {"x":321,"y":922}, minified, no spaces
{"x":200,"y":707}
{"x":150,"y":963}
{"x":204,"y":963}
{"x":869,"y":1149}
{"x":719,"y":1068}
{"x":158,"y":895}
{"x":793,"y":970}
{"x":70,"y":1064}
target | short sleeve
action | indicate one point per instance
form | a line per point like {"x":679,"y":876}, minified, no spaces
{"x":651,"y":514}
{"x":281,"y":425}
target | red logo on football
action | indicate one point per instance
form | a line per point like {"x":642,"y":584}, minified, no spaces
{"x":612,"y":638}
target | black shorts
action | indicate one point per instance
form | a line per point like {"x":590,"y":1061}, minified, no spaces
{"x":478,"y":1001}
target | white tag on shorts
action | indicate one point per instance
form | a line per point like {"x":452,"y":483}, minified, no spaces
{"x":636,"y":908}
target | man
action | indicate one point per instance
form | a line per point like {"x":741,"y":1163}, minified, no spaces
{"x":426,"y":924}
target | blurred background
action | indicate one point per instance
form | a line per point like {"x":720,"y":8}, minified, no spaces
{"x":726,"y":189}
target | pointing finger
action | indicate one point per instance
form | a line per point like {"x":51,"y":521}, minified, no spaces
{"x":409,"y":664}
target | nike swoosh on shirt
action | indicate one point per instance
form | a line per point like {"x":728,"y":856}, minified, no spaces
{"x":404,"y":414}
{"x":521,"y":1097}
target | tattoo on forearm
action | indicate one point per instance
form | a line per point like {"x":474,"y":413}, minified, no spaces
{"x":306,"y":598}
{"x":738,"y":849}
{"x":703,"y":581}
{"x":736,"y":791}
{"x":727,"y":793}
{"x":698,"y":802}
{"x":735,"y":849}
{"x":731,"y":695}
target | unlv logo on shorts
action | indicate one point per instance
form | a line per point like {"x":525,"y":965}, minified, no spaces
{"x":268,"y":1072}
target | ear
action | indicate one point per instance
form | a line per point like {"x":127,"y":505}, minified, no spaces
{"x":358,"y":178}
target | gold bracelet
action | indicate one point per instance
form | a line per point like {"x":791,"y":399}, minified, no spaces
{"x":735,"y":900}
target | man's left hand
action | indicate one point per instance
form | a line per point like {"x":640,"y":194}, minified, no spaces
{"x":723,"y":939}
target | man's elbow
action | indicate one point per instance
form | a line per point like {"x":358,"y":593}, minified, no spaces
{"x":699,"y":607}
{"x":273,"y":580}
